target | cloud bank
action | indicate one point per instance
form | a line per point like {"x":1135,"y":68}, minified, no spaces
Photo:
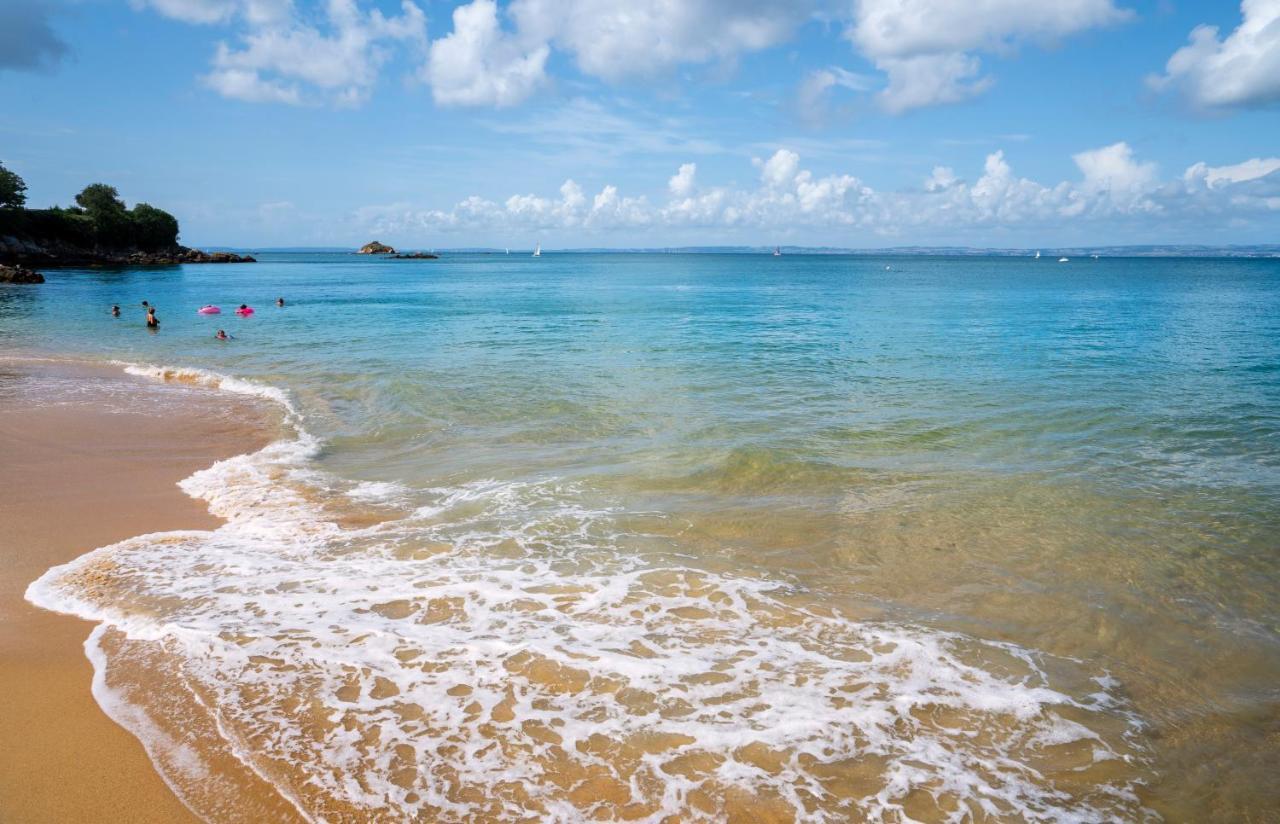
{"x":1113,"y":186}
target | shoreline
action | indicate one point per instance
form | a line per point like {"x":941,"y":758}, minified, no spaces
{"x":76,"y":477}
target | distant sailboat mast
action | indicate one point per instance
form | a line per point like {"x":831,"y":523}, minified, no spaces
{"x":537,"y":251}
{"x":1037,"y":255}
{"x":777,"y":251}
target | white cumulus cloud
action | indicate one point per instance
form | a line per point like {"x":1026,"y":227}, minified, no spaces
{"x":1218,"y":176}
{"x":926,"y":46}
{"x":335,"y":59}
{"x":681,"y":183}
{"x":1242,"y":69}
{"x":479,"y":64}
{"x":615,"y":39}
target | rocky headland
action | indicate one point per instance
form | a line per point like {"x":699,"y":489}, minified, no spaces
{"x":99,"y":230}
{"x":376,"y":248}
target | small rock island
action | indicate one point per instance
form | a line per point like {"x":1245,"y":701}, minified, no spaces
{"x":375,"y":248}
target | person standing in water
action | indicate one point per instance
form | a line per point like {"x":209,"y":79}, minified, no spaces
{"x":153,"y":322}
{"x":280,"y":302}
{"x":115,"y":311}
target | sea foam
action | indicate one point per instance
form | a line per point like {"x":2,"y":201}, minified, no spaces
{"x":496,"y":650}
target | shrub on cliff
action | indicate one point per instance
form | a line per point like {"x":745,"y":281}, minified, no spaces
{"x":153,"y":228}
{"x":144,"y":226}
{"x":99,"y":220}
{"x":112,"y":227}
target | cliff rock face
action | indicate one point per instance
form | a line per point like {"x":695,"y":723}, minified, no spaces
{"x":20,"y":251}
{"x":16,"y":274}
{"x":376,"y":248}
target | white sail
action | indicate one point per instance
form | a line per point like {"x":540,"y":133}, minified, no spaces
{"x":537,"y":251}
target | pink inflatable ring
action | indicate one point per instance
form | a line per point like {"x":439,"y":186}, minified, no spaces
{"x":245,"y":311}
{"x":209,"y":310}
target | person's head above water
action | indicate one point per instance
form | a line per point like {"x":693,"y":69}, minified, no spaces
{"x":222,"y":335}
{"x":244,"y":306}
{"x":144,"y":303}
{"x":279,"y":301}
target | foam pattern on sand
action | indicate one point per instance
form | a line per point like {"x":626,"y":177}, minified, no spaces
{"x":495,"y":651}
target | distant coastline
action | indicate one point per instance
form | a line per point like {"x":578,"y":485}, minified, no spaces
{"x":1270,"y":250}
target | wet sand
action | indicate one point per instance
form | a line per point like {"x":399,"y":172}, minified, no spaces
{"x":73,"y":478}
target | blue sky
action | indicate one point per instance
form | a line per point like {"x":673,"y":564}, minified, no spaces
{"x":860,"y":123}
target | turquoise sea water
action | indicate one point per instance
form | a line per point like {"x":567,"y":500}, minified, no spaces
{"x":939,"y":536}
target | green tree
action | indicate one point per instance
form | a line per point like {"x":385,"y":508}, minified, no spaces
{"x":111,"y":223}
{"x":100,"y":199}
{"x":13,"y":190}
{"x":153,"y":228}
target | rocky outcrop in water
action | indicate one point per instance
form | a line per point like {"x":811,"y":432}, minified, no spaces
{"x":416,"y":256}
{"x":376,"y":248}
{"x":17,"y":274}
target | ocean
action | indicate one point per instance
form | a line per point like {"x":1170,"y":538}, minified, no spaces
{"x":725,"y":537}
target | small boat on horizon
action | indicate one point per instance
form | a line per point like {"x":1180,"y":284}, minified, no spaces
{"x":1064,"y":260}
{"x":1037,"y":255}
{"x":777,"y":251}
{"x":537,"y":251}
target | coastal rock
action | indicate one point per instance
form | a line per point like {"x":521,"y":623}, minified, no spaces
{"x":415,"y":256}
{"x":16,"y":251}
{"x":376,"y":248}
{"x":17,"y":274}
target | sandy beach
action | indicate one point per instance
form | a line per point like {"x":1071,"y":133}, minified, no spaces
{"x":75,"y":478}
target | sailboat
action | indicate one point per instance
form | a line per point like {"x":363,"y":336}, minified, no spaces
{"x":1037,"y":255}
{"x":1064,"y":260}
{"x":537,"y":251}
{"x":777,"y":251}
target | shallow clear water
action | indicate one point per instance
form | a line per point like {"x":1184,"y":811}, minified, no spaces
{"x":631,"y":534}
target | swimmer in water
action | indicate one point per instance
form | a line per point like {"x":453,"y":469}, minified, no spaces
{"x":279,"y":301}
{"x":145,"y":304}
{"x":115,"y":311}
{"x":222,"y":335}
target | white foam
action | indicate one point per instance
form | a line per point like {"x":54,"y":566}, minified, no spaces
{"x":504,"y":633}
{"x":212,"y":380}
{"x":379,"y":492}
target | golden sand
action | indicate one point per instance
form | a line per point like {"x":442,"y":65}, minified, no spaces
{"x":73,"y":478}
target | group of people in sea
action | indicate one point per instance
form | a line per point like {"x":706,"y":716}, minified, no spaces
{"x":153,"y":321}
